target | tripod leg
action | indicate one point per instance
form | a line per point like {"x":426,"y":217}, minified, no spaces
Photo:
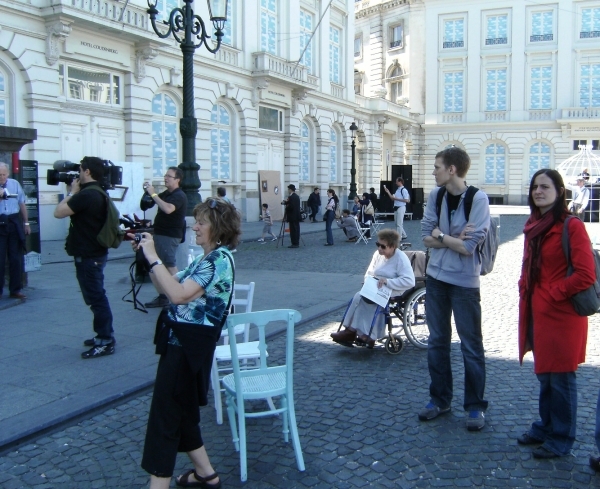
{"x":281,"y":233}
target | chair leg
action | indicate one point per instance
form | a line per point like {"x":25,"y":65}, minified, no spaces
{"x":271,"y":404}
{"x":295,"y":438}
{"x":286,"y":429}
{"x":243,"y":461}
{"x":216,"y":386}
{"x":231,"y":411}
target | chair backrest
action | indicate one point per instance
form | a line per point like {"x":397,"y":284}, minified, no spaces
{"x":241,"y":304}
{"x":260,"y":319}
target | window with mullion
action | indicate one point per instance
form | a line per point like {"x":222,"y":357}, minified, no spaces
{"x":454,"y":34}
{"x":495,"y":164}
{"x":306,"y":28}
{"x":396,"y":36}
{"x":268,"y":26}
{"x":539,"y":157}
{"x":334,"y":54}
{"x":495,"y":99}
{"x":304,"y":153}
{"x":589,"y":85}
{"x":542,"y":26}
{"x":496,"y":30}
{"x":590,"y":23}
{"x":453,"y":91}
{"x":165,"y":7}
{"x":333,"y":156}
{"x":220,"y":143}
{"x":227,"y":30}
{"x":165,"y":151}
{"x":541,"y":88}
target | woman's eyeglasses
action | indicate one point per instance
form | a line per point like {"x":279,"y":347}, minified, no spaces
{"x":381,"y":245}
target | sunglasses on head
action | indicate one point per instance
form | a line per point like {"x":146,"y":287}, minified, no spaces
{"x":214,"y":204}
{"x":381,"y":245}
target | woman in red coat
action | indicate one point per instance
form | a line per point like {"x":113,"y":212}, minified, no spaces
{"x":548,"y":323}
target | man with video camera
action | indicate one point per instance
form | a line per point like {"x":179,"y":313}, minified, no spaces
{"x":169,"y":224}
{"x":88,"y":211}
{"x":292,"y":215}
{"x":12,"y":232}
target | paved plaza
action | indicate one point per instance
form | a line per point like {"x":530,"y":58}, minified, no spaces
{"x":356,"y":408}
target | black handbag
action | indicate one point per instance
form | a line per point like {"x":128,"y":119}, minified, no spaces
{"x":586,"y":302}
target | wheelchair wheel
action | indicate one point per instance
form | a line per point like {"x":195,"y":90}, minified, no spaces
{"x":415,"y":319}
{"x":394,"y":349}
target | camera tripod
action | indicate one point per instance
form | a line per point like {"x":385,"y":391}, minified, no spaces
{"x":281,"y":235}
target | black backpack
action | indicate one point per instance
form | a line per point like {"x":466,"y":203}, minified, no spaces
{"x":488,"y":249}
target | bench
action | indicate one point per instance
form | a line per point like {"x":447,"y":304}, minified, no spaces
{"x":407,"y":215}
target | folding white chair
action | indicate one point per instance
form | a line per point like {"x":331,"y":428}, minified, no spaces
{"x":261,"y":383}
{"x":375,"y":225}
{"x":362,"y":232}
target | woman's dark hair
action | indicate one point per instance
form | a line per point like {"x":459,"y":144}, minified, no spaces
{"x":365,"y":195}
{"x":389,"y":237}
{"x":225,"y":222}
{"x":560,"y":204}
{"x":335,"y":197}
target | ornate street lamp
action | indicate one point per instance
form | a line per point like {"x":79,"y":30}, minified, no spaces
{"x":190,"y":32}
{"x":353,"y":128}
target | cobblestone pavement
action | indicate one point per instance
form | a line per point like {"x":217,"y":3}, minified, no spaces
{"x":356,"y":412}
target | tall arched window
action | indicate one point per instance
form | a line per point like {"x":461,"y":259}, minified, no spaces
{"x":220,"y":143}
{"x":304,"y":156}
{"x":539,"y":157}
{"x":395,"y":82}
{"x":495,"y":164}
{"x":3,"y":99}
{"x":165,"y":151}
{"x":333,"y":156}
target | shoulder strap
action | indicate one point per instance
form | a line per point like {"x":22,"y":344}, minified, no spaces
{"x":438,"y":201}
{"x":566,"y":246}
{"x":468,"y":203}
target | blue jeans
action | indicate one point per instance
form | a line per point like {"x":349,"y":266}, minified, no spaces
{"x":442,"y":300}
{"x":90,"y":275}
{"x":330,"y":217}
{"x":558,"y":412}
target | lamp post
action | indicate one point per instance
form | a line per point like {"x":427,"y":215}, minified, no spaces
{"x":352,"y":194}
{"x":190,"y":32}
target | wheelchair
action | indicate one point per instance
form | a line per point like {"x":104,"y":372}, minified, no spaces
{"x":406,"y":312}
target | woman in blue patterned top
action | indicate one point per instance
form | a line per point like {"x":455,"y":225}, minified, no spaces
{"x":186,"y":335}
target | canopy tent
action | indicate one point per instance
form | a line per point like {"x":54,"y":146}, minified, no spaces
{"x":580,"y":164}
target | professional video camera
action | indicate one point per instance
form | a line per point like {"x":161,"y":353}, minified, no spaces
{"x":66,"y":171}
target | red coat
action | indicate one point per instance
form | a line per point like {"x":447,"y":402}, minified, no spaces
{"x":559,"y":333}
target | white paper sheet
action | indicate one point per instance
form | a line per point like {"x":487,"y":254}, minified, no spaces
{"x":370,"y":291}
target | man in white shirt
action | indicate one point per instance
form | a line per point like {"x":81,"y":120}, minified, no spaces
{"x":400,"y":198}
{"x":581,"y":197}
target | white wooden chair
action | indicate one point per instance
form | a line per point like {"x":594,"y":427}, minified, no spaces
{"x":362,"y":232}
{"x":247,"y":350}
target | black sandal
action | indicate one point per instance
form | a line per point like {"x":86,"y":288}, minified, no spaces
{"x":184,"y":480}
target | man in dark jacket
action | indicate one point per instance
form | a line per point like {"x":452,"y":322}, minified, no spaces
{"x":292,"y":214}
{"x":314,"y":201}
{"x":373,"y":197}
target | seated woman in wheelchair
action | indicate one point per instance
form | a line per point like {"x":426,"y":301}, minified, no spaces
{"x":392,"y":267}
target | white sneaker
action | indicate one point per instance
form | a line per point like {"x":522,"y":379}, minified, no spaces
{"x":260,"y":240}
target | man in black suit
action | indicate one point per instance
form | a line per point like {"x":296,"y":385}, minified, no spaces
{"x":292,"y":212}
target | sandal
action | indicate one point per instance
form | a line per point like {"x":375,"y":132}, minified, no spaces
{"x":184,"y":480}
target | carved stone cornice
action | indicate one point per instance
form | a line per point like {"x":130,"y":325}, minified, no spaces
{"x":367,"y":10}
{"x":57,"y":33}
{"x":298,"y":94}
{"x":143,"y":54}
{"x":258,"y":85}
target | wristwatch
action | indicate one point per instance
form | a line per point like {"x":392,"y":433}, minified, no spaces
{"x":152,"y":265}
{"x":441,"y":237}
